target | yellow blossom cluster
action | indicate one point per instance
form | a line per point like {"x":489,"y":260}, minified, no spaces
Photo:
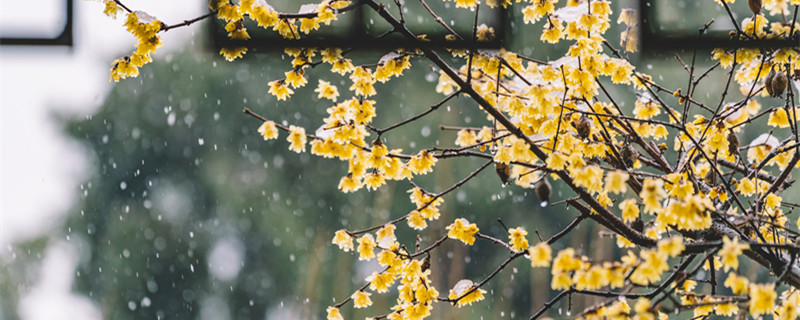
{"x":144,"y":28}
{"x":555,"y":121}
{"x":462,"y":230}
{"x":568,"y":270}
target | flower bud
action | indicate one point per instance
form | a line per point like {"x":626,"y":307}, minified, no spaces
{"x":755,"y":6}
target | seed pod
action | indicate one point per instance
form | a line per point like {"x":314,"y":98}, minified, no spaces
{"x":755,"y":6}
{"x":629,"y":155}
{"x":426,"y":263}
{"x":584,"y":127}
{"x":768,"y":82}
{"x":779,"y":82}
{"x":543,"y":190}
{"x":503,"y":171}
{"x":733,"y":143}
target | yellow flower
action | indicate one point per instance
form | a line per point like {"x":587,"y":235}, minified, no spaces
{"x":538,"y":9}
{"x":412,"y":271}
{"x":137,"y":60}
{"x":349,"y":184}
{"x":342,"y":66}
{"x":286,"y":28}
{"x":148,"y":46}
{"x":377,"y":157}
{"x":652,"y":193}
{"x":361,"y":299}
{"x":630,"y":210}
{"x":264,"y":16}
{"x":416,"y":220}
{"x":589,"y":177}
{"x":380,"y":282}
{"x":517,"y":239}
{"x":363,"y":82}
{"x":296,"y":78}
{"x":646,"y":108}
{"x":112,"y":9}
{"x":757,"y":27}
{"x":615,"y":181}
{"x":466,"y":138}
{"x":704,"y":310}
{"x":565,"y":261}
{"x":422,"y":163}
{"x":366,"y":247}
{"x":540,"y":255}
{"x":643,"y":308}
{"x":737,"y":284}
{"x":123,"y":68}
{"x":652,"y":267}
{"x":386,"y":232}
{"x":623,"y":242}
{"x":553,"y":32}
{"x":556,"y":161}
{"x":762,"y":298}
{"x":725,"y":58}
{"x":365,"y":112}
{"x":727,"y":309}
{"x":268,"y":130}
{"x":746,"y":187}
{"x":374,"y":180}
{"x":463,"y":286}
{"x":417,"y":311}
{"x":227,"y":12}
{"x":236,"y":30}
{"x":462,"y":230}
{"x":561,"y":281}
{"x":773,"y":201}
{"x":779,"y":118}
{"x":327,"y":91}
{"x":445,"y":84}
{"x":425,"y":294}
{"x":334,"y":314}
{"x":682,"y":190}
{"x":592,"y":279}
{"x":729,"y":254}
{"x":308,"y":24}
{"x":389,"y":259}
{"x":231,"y":54}
{"x":142,"y":25}
{"x":484,"y":32}
{"x":672,"y":246}
{"x":466,"y":3}
{"x":297,"y":139}
{"x":343,"y":240}
{"x":280,"y":90}
{"x":790,"y":308}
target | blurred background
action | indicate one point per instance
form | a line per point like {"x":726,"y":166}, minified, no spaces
{"x":155,"y":198}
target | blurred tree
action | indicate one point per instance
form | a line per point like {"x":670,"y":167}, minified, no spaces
{"x":179,"y":173}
